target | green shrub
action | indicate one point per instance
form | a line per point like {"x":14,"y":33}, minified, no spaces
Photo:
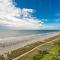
{"x":1,"y":57}
{"x":40,"y":55}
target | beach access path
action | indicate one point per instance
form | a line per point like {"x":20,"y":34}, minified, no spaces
{"x":33,"y":50}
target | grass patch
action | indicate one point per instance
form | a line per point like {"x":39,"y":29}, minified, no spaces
{"x":40,"y":55}
{"x":49,"y":57}
{"x":1,"y":57}
{"x":53,"y":53}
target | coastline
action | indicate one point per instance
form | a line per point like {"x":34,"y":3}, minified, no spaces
{"x":27,"y":42}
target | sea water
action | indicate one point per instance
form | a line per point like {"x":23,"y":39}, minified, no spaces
{"x":15,"y":33}
{"x":14,"y":36}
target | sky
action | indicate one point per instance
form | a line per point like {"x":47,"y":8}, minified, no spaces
{"x":30,"y":14}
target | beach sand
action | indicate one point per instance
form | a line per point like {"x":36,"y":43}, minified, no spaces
{"x":22,"y":43}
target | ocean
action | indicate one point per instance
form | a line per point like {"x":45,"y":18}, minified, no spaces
{"x":20,"y":33}
{"x":10,"y":36}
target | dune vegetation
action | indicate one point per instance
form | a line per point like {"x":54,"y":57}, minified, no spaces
{"x":47,"y":51}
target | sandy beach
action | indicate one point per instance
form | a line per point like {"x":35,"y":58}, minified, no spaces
{"x":22,"y":43}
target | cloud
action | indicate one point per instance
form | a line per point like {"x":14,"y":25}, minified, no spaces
{"x":17,"y":18}
{"x":51,"y":26}
{"x":22,"y":24}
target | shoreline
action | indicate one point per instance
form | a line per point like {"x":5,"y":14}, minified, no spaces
{"x":27,"y":42}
